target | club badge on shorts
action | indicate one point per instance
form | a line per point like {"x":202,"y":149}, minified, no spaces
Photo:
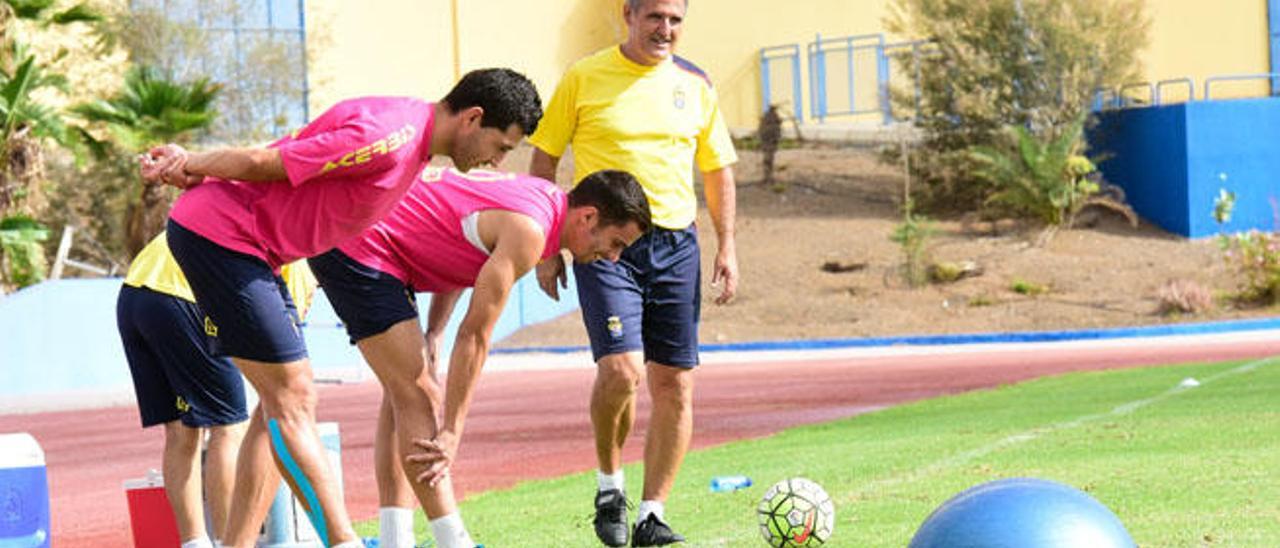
{"x":614,"y":324}
{"x":210,"y":328}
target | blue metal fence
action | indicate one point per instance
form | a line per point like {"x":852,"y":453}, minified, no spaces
{"x":1122,"y":96}
{"x":789,"y":52}
{"x":866,"y":63}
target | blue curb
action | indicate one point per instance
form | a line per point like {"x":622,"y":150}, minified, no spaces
{"x":1205,"y":328}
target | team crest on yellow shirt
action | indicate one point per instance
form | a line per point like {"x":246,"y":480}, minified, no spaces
{"x":677,"y":97}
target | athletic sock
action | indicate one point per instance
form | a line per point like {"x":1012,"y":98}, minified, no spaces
{"x":450,"y":532}
{"x":395,"y":527}
{"x":650,"y":507}
{"x":611,"y":481}
{"x":199,"y":542}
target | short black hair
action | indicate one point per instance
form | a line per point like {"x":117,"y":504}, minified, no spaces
{"x":617,"y":195}
{"x":506,"y":96}
{"x":635,"y":4}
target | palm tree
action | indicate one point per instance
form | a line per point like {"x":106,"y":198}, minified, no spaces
{"x":149,"y":110}
{"x":25,"y":127}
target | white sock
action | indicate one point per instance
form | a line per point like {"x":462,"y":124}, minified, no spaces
{"x":199,"y":542}
{"x":395,"y":527}
{"x":350,"y":544}
{"x":611,"y":481}
{"x":650,"y":507}
{"x":450,"y":532}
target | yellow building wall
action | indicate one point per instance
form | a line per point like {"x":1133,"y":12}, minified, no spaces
{"x":1199,"y":39}
{"x":387,"y":47}
{"x":409,"y":47}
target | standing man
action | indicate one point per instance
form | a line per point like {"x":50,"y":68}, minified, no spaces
{"x":482,"y":229}
{"x":180,"y":383}
{"x":639,"y":108}
{"x":251,"y":210}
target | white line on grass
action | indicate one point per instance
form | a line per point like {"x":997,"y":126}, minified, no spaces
{"x":960,"y":459}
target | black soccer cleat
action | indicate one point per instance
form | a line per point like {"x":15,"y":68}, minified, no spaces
{"x":654,"y":532}
{"x":611,"y":517}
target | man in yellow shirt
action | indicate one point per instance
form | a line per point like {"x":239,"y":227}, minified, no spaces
{"x":181,"y":383}
{"x":639,"y":108}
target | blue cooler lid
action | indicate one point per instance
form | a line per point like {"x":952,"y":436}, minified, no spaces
{"x":20,"y":450}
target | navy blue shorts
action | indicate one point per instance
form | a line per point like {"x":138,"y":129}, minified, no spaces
{"x":649,"y":300}
{"x":367,"y":300}
{"x":175,"y":374}
{"x":252,"y":315}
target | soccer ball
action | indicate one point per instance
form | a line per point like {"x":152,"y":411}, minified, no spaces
{"x":796,"y":512}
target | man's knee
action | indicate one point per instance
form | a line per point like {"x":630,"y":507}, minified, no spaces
{"x":294,"y":398}
{"x":673,"y":385}
{"x":182,"y":437}
{"x":618,"y":373}
{"x":227,"y":435}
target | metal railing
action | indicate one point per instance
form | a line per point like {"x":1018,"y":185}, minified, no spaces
{"x":851,"y":45}
{"x":818,"y":53}
{"x":1118,"y":98}
{"x":1208,"y":82}
{"x":769,"y":54}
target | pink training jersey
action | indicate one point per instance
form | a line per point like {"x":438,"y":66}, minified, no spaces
{"x":346,"y":169}
{"x":422,"y":243}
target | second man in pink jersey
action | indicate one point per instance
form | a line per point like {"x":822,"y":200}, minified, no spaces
{"x":484,"y":230}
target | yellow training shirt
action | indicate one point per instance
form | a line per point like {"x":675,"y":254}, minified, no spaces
{"x":154,"y":268}
{"x":653,"y":122}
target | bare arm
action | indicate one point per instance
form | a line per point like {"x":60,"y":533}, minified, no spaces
{"x":722,"y":204}
{"x":438,"y":314}
{"x":517,"y":249}
{"x":543,"y":165}
{"x":553,"y":269}
{"x":174,"y":165}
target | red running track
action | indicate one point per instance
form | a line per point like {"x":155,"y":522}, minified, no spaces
{"x":534,"y":424}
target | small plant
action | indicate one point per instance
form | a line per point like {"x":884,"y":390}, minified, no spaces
{"x":913,"y":235}
{"x":1184,"y":297}
{"x":24,"y":262}
{"x":979,"y":301}
{"x":1030,"y":289}
{"x":1254,"y":254}
{"x":1044,"y":177}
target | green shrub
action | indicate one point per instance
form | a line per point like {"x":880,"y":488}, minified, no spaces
{"x":994,"y":64}
{"x":23,"y":258}
{"x":1254,"y":254}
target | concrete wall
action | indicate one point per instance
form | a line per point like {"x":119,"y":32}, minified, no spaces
{"x":60,"y":339}
{"x":1172,"y":161}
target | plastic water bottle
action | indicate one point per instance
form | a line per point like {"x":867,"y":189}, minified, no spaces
{"x":725,"y":484}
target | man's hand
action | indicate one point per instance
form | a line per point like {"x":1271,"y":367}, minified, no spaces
{"x":167,"y":164}
{"x":725,"y":272}
{"x":437,"y":456}
{"x":551,"y":271}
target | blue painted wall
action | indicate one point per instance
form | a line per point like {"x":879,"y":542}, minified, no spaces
{"x":1145,"y":153}
{"x":60,"y":336}
{"x":1172,"y":160}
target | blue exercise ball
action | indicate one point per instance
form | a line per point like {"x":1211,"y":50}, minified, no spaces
{"x":1022,"y":513}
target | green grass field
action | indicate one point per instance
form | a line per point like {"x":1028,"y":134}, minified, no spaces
{"x":1180,"y":467}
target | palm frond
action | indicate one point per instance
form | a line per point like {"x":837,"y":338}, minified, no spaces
{"x":80,"y":13}
{"x":29,"y":9}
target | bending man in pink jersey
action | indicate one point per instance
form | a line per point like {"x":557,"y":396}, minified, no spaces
{"x":249,"y":211}
{"x":483,"y":230}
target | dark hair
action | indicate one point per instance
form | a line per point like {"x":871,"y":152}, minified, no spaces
{"x":635,"y":4}
{"x":617,"y":195}
{"x":506,"y":96}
